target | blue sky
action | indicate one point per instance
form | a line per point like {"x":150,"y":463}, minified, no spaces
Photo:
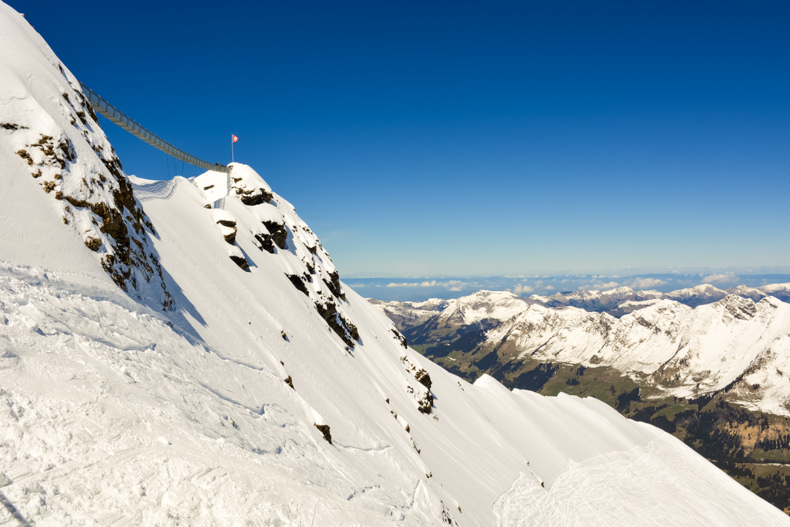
{"x":469,"y":138}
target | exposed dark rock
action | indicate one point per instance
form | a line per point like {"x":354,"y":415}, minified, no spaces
{"x":265,"y":241}
{"x":298,"y":283}
{"x":12,"y":126}
{"x":250,"y":195}
{"x":400,"y":338}
{"x":334,"y":285}
{"x":344,"y":329}
{"x":230,"y":237}
{"x":278,"y":231}
{"x":425,"y":405}
{"x":93,"y":244}
{"x":290,"y":383}
{"x":240,"y":261}
{"x":112,"y":222}
{"x":424,"y":378}
{"x":24,"y":155}
{"x":324,"y":429}
{"x":255,"y":198}
{"x":114,"y":210}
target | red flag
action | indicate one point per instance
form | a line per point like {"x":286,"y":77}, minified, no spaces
{"x":234,"y":138}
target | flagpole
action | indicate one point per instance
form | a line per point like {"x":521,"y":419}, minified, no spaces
{"x":232,"y":159}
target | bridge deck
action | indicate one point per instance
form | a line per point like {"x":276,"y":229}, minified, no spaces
{"x":116,"y":116}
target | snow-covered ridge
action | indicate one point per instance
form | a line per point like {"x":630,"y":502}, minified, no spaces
{"x":48,"y":129}
{"x":271,"y":393}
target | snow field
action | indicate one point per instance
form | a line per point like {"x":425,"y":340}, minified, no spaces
{"x":115,"y":412}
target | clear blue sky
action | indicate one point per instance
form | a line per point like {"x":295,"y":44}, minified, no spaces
{"x":461,"y":138}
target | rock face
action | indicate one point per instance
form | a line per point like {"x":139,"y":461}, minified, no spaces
{"x":71,"y":160}
{"x":280,"y":232}
{"x":250,"y":189}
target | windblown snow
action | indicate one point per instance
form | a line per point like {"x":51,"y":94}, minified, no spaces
{"x":266,"y":391}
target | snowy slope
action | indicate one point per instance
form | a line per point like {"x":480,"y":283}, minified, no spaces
{"x":266,"y":392}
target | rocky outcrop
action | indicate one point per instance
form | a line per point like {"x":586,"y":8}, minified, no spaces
{"x":270,"y":224}
{"x":338,"y":323}
{"x":71,"y":160}
{"x":277,"y":233}
{"x":250,"y":190}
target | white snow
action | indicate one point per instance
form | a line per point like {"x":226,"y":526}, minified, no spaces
{"x":114,"y":413}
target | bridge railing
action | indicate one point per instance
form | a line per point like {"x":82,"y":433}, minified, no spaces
{"x":133,"y":127}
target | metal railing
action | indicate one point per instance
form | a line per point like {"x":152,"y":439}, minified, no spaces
{"x":133,"y":127}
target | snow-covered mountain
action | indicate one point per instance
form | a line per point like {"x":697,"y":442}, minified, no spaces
{"x":623,"y":300}
{"x":734,"y":345}
{"x":184,"y":352}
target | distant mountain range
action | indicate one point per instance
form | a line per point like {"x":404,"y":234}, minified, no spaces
{"x":424,"y":288}
{"x":711,"y":366}
{"x":623,"y":300}
{"x":688,"y":343}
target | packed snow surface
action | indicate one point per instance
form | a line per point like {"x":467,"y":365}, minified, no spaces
{"x":269,"y":393}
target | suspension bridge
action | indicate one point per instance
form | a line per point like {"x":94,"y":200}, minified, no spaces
{"x":133,"y":127}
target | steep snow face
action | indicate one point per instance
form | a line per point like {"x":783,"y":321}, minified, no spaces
{"x":50,"y":132}
{"x":267,"y":399}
